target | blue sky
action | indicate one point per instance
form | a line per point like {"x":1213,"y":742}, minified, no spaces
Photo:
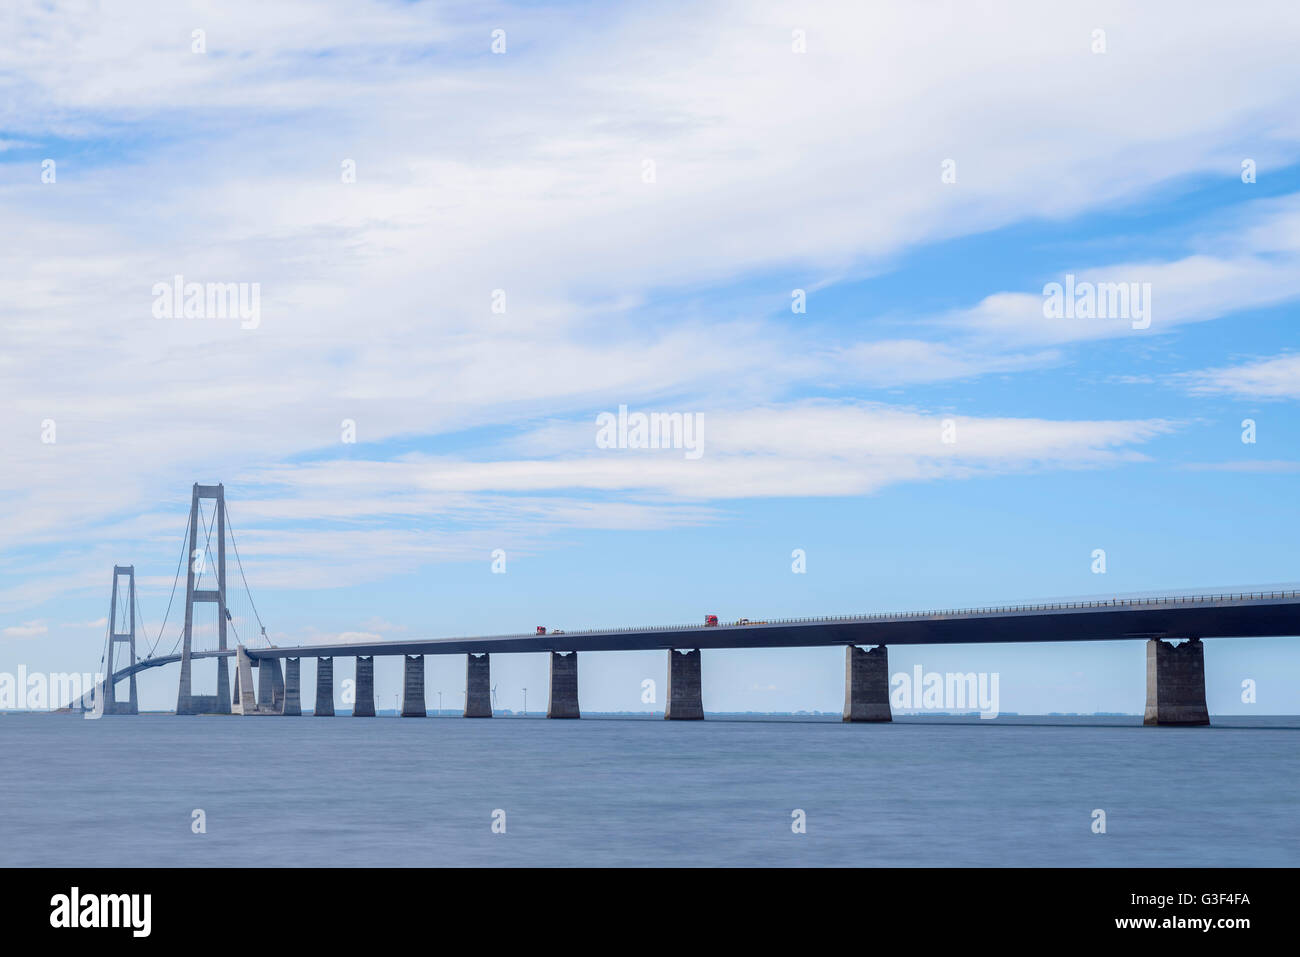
{"x":774,"y":170}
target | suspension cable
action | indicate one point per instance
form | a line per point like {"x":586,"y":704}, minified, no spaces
{"x":230,"y":527}
{"x":175,"y":579}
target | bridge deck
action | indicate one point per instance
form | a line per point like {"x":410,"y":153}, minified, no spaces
{"x":1267,"y":614}
{"x":1241,"y":615}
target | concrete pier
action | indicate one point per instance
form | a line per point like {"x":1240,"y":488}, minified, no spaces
{"x":364,"y":707}
{"x":324,"y":688}
{"x":478,"y":686}
{"x":685,"y":702}
{"x":866,"y":684}
{"x":292,"y":686}
{"x":277,"y":686}
{"x":564,"y":686}
{"x":413,"y":687}
{"x":270,"y":686}
{"x":245,"y":697}
{"x":1176,"y":683}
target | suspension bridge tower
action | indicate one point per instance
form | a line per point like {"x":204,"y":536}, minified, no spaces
{"x":116,"y":638}
{"x":200,"y":563}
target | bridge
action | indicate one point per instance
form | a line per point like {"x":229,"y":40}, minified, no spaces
{"x":1175,"y":671}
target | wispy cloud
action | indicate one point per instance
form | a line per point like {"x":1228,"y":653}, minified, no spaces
{"x":31,"y":629}
{"x":94,"y":625}
{"x":1276,"y":378}
{"x":1264,"y":466}
{"x":525,"y":174}
{"x":1256,"y":263}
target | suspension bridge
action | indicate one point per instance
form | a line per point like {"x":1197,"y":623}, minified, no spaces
{"x":205,"y":588}
{"x":1173,"y":628}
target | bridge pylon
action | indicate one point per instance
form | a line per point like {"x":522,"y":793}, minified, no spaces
{"x":186,"y":701}
{"x":116,"y":638}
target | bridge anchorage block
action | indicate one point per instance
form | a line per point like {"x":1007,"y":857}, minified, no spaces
{"x":685,"y":700}
{"x":478,"y":686}
{"x":413,"y":687}
{"x":866,"y":684}
{"x":1176,"y":683}
{"x":564,"y":686}
{"x":270,"y":694}
{"x":245,"y":699}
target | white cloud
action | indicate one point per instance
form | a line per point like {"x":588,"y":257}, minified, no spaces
{"x":1260,"y":466}
{"x":897,"y":362}
{"x":355,"y":636}
{"x":388,"y":517}
{"x":1276,"y":378}
{"x":523,"y":172}
{"x":31,"y":629}
{"x":809,"y":448}
{"x":1255,"y":263}
{"x":98,"y":623}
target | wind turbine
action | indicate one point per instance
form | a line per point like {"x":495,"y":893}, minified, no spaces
{"x":494,"y":697}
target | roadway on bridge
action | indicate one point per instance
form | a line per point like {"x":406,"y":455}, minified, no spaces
{"x":1269,"y":614}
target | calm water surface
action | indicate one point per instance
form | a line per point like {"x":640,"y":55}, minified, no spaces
{"x":623,"y":791}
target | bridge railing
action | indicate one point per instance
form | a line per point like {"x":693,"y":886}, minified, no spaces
{"x":1134,"y":602}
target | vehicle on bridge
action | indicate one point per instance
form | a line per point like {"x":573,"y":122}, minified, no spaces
{"x":541,"y":629}
{"x":710,"y":620}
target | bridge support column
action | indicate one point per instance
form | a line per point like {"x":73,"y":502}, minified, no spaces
{"x":270,"y":686}
{"x":413,"y":687}
{"x":324,"y":688}
{"x":293,"y":686}
{"x":1176,"y":683}
{"x":685,"y":702}
{"x":245,"y":699}
{"x":364,"y":707}
{"x":564,"y":686}
{"x":478,"y":686}
{"x":866,"y":684}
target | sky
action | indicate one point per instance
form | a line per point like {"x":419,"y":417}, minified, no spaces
{"x":820,"y":232}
